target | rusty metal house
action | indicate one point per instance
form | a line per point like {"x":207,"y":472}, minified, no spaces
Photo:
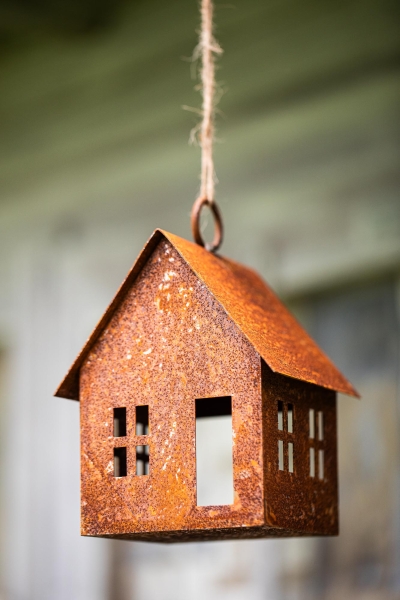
{"x":191,"y":335}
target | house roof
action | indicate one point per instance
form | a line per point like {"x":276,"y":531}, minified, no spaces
{"x":268,"y":325}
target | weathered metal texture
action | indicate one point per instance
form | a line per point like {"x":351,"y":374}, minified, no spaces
{"x":168,"y":343}
{"x":185,"y":325}
{"x":297,"y":500}
{"x":270,"y":328}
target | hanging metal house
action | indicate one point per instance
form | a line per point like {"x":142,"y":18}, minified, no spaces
{"x":191,"y":335}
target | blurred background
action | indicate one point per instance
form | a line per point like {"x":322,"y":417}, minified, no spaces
{"x":94,"y":155}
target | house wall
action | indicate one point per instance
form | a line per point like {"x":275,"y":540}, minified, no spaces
{"x":296,"y":500}
{"x":168,"y":343}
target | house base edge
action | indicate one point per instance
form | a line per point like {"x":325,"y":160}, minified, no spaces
{"x":206,"y":535}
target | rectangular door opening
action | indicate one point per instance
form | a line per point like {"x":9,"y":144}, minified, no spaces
{"x":214,"y":459}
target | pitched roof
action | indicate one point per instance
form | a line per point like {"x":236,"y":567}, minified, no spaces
{"x":268,"y":325}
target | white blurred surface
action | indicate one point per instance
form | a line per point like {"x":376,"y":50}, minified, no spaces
{"x":214,"y":463}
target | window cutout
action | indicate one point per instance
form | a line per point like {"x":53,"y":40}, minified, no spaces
{"x":320,"y":464}
{"x":280,"y":455}
{"x":120,"y":466}
{"x":280,"y":415}
{"x":119,"y":422}
{"x":312,"y":423}
{"x":290,"y":418}
{"x":290,"y":457}
{"x":214,"y":459}
{"x":320,"y":425}
{"x":312,"y":462}
{"x":142,"y":420}
{"x":142,"y":460}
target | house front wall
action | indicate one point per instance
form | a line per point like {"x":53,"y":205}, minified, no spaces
{"x":168,"y":344}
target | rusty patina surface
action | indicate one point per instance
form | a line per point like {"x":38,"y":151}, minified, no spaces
{"x":264,"y":320}
{"x":168,"y":343}
{"x":187,"y":324}
{"x":296,"y":500}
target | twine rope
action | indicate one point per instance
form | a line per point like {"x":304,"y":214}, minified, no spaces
{"x":207,"y":48}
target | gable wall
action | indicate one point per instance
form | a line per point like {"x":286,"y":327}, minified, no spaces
{"x":295,"y":500}
{"x":169,"y":343}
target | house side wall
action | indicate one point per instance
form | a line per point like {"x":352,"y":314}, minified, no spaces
{"x":298,"y":501}
{"x":168,"y":343}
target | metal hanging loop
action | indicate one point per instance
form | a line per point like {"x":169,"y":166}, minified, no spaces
{"x":218,"y":226}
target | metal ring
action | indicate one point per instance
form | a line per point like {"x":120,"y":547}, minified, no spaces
{"x":195,"y":221}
